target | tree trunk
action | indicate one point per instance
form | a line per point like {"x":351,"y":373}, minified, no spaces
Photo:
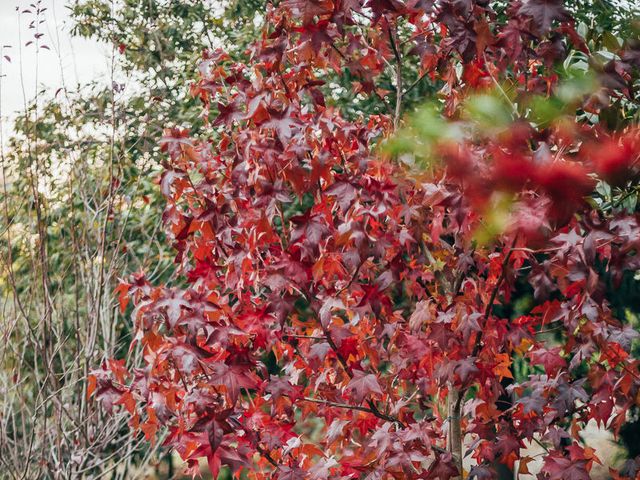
{"x":454,"y":406}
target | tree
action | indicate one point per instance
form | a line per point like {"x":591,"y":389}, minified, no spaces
{"x":347,"y":302}
{"x":78,"y":199}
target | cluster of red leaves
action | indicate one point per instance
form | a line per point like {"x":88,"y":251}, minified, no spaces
{"x":333,"y":301}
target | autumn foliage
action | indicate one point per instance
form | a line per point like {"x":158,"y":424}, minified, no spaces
{"x":346,"y":302}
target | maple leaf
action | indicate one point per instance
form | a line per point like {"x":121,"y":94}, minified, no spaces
{"x":381,"y":7}
{"x":348,"y":347}
{"x":549,"y":359}
{"x":281,"y":386}
{"x":421,"y":5}
{"x":108,"y":396}
{"x":466,"y":368}
{"x":568,"y":393}
{"x":532,"y":403}
{"x":523,"y":467}
{"x":282,"y":122}
{"x":228,"y":113}
{"x":624,"y":336}
{"x":544,"y":12}
{"x":481,"y":472}
{"x":173,"y":305}
{"x":215,"y":433}
{"x":322,"y":469}
{"x":502,"y":367}
{"x":167,"y":180}
{"x":344,"y":192}
{"x":233,"y":378}
{"x":567,"y":184}
{"x":123,"y":295}
{"x":443,"y":467}
{"x":308,"y":9}
{"x":336,"y":430}
{"x":557,"y":467}
{"x":382,"y":438}
{"x":510,"y":39}
{"x":373,"y":300}
{"x":235,"y":458}
{"x":290,"y":473}
{"x":469,"y":324}
{"x":313,"y":37}
{"x":362,"y":385}
{"x":506,"y":444}
{"x":327,"y":308}
{"x":420,"y":316}
{"x":542,"y":283}
{"x":319,"y":350}
{"x":310,"y":230}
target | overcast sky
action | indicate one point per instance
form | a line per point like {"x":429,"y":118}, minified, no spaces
{"x":68,"y":60}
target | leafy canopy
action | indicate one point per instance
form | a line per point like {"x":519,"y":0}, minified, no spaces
{"x":352,"y":281}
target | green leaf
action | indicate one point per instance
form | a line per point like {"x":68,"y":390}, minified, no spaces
{"x":489,"y":111}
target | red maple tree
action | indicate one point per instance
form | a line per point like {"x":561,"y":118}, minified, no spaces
{"x":347,"y":310}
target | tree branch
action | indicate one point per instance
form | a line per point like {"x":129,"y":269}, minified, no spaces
{"x":396,"y":53}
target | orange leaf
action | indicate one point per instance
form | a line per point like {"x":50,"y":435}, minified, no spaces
{"x":502,"y":368}
{"x":92,"y":382}
{"x":523,"y":469}
{"x":123,"y":295}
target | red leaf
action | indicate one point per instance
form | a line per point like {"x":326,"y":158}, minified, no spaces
{"x":544,"y":12}
{"x":362,"y":385}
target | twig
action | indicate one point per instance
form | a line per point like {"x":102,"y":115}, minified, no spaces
{"x":396,"y":53}
{"x":415,"y":83}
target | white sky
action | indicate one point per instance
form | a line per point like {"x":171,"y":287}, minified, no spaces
{"x":68,"y":62}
